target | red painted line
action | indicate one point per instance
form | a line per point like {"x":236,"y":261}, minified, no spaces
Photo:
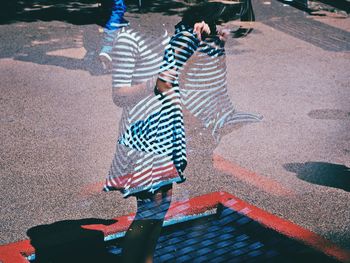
{"x":15,"y":252}
{"x":258,"y":181}
{"x":122,"y":224}
{"x":91,"y":189}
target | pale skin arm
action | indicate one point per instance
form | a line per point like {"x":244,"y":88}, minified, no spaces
{"x":127,"y":95}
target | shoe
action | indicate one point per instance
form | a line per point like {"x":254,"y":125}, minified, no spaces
{"x":119,"y":24}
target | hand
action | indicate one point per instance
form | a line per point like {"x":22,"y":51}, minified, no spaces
{"x":223,"y":34}
{"x":130,"y":95}
{"x":200,"y":29}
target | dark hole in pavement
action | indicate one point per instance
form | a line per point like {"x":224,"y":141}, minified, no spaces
{"x":321,"y":173}
{"x":227,"y":236}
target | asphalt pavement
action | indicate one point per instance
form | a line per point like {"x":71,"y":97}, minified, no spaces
{"x":59,"y":125}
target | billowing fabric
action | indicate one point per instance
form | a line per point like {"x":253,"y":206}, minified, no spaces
{"x":181,"y":47}
{"x":151,"y":151}
{"x":203,"y":85}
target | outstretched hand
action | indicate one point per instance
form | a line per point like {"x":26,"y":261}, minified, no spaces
{"x":201,"y":29}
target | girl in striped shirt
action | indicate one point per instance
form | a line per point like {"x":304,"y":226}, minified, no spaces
{"x":151,"y":150}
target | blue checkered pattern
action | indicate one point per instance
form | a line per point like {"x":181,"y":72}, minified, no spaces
{"x":228,"y":236}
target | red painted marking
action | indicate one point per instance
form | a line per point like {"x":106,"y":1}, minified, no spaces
{"x":122,"y":224}
{"x":13,"y":253}
{"x":91,"y":188}
{"x":258,"y":181}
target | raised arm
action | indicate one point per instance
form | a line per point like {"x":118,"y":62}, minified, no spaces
{"x":181,"y":47}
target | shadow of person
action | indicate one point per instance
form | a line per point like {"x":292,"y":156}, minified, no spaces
{"x":61,"y":45}
{"x":321,"y":173}
{"x":77,"y":12}
{"x":67,"y":241}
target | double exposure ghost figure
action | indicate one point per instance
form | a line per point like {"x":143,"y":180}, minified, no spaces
{"x":154,"y":79}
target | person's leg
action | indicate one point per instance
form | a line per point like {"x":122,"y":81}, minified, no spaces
{"x":116,"y":19}
{"x":141,"y":238}
{"x":115,"y":22}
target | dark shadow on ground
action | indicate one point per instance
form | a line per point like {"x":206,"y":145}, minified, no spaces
{"x":321,"y":173}
{"x":66,"y":241}
{"x":339,"y":4}
{"x":33,"y":42}
{"x":296,"y":23}
{"x":311,"y":6}
{"x":81,"y":12}
{"x":37,"y":42}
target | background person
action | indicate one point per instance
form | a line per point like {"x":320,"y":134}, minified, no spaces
{"x":116,"y":9}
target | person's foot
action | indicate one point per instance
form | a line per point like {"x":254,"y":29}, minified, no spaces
{"x":117,"y":25}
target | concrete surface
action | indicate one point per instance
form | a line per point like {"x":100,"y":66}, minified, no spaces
{"x":59,"y":125}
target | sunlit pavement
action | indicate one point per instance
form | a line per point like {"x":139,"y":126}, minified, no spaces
{"x":59,"y":125}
